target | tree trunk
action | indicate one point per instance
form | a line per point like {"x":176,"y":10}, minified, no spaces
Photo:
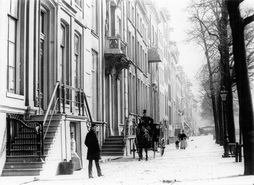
{"x":220,"y":119}
{"x":243,"y":85}
{"x":214,"y":107}
{"x":225,"y":73}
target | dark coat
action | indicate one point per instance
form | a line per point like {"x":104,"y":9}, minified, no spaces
{"x":93,"y":152}
{"x":183,"y":136}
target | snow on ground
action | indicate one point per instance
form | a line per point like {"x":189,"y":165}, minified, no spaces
{"x":200,"y":163}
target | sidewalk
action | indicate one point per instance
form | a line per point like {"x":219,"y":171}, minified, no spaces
{"x":200,"y":164}
{"x":205,"y":165}
{"x":77,"y":175}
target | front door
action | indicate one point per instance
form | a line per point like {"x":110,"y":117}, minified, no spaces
{"x":75,"y":128}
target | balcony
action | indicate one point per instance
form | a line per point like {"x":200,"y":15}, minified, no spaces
{"x":115,"y":55}
{"x":114,"y":45}
{"x":153,"y":55}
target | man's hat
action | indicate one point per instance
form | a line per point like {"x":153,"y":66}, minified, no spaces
{"x":93,"y":125}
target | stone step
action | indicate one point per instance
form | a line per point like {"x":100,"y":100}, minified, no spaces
{"x":113,"y":146}
{"x":113,"y":150}
{"x":112,"y":153}
{"x":21,"y":172}
{"x":28,"y":158}
{"x":23,"y":165}
{"x":106,"y":145}
{"x":113,"y":141}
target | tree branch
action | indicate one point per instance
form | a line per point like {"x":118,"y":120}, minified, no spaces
{"x":248,"y":20}
{"x":212,"y":34}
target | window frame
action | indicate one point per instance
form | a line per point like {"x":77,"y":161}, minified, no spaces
{"x":95,"y":83}
{"x":15,"y":84}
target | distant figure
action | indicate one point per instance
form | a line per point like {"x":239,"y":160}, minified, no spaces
{"x":163,"y":146}
{"x":93,"y":152}
{"x":177,"y":144}
{"x":74,"y":156}
{"x":183,"y":142}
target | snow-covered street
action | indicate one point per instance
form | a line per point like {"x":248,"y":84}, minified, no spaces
{"x":200,"y":163}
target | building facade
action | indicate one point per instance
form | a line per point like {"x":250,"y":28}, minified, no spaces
{"x":67,"y":63}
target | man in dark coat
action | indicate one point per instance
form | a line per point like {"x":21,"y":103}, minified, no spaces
{"x":93,"y":152}
{"x":147,"y":122}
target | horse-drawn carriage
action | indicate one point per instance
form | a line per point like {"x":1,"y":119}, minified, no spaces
{"x":148,"y":137}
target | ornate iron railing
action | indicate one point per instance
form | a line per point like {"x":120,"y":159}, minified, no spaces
{"x":27,"y":137}
{"x":23,"y":138}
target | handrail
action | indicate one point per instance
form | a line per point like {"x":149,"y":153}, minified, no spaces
{"x":50,"y":104}
{"x":87,"y":107}
{"x":50,"y":119}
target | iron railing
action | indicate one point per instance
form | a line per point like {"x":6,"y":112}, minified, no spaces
{"x":23,"y":138}
{"x":27,"y":137}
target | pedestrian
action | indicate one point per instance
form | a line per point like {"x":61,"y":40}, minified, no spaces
{"x":93,"y":152}
{"x":177,"y":144}
{"x":163,"y":146}
{"x":183,"y":142}
{"x":74,"y":156}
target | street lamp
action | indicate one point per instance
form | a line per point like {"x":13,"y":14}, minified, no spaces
{"x":223,"y":95}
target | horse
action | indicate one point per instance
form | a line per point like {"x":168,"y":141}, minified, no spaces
{"x":143,"y":141}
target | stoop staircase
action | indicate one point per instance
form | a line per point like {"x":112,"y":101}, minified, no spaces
{"x":113,"y":146}
{"x":23,"y":159}
{"x":29,"y":142}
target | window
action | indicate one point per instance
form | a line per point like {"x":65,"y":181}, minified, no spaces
{"x":14,"y":77}
{"x":153,"y":35}
{"x":12,"y":55}
{"x":95,"y":83}
{"x":95,"y":16}
{"x":129,"y":9}
{"x":130,"y":92}
{"x":42,"y":63}
{"x":129,"y":44}
{"x":132,"y":14}
{"x":77,"y":50}
{"x":137,"y":54}
{"x":138,"y":22}
{"x":118,"y":28}
{"x":62,"y":51}
{"x":78,"y":2}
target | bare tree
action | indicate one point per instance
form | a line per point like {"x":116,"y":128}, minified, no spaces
{"x":210,"y":31}
{"x":237,"y":24}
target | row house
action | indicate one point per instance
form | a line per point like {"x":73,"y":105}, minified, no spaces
{"x":52,"y":79}
{"x":68,"y":63}
{"x":185,"y":103}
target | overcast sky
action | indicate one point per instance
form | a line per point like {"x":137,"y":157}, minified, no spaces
{"x":191,"y":56}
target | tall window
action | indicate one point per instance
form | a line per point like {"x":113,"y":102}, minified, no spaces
{"x":119,"y":26}
{"x":153,"y":35}
{"x":132,"y":14}
{"x":129,"y":9}
{"x":43,"y":62}
{"x":133,"y":48}
{"x":76,"y":66}
{"x":95,"y":83}
{"x":62,"y":51}
{"x":95,"y":16}
{"x":129,"y":44}
{"x":13,"y":66}
{"x":78,"y":2}
{"x":130,"y":91}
